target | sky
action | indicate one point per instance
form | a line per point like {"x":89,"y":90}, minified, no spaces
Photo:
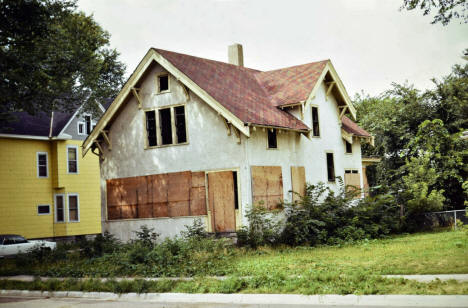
{"x":371,"y":43}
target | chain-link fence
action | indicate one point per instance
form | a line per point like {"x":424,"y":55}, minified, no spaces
{"x":445,"y":218}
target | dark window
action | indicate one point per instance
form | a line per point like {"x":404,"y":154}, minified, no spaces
{"x":8,"y":241}
{"x":330,"y":168}
{"x":42,"y":165}
{"x":19,"y":239}
{"x":88,"y":124}
{"x":347,"y":171}
{"x":236,"y":197}
{"x":43,"y":209}
{"x":59,"y":208}
{"x":354,"y":171}
{"x":349,"y":147}
{"x":81,"y":128}
{"x":315,"y":122}
{"x":165,"y":125}
{"x":151,"y":127}
{"x":73,"y":208}
{"x":72,"y":161}
{"x":181,"y":132}
{"x":272,"y":141}
{"x":163,"y":83}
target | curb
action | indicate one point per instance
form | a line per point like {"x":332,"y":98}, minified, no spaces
{"x":281,"y":300}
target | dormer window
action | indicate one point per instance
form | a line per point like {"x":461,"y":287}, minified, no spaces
{"x":163,"y":83}
{"x":272,"y":139}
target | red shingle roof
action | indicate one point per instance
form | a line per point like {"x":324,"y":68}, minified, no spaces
{"x":255,"y":96}
{"x":352,"y":128}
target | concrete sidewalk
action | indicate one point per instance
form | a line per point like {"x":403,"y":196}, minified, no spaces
{"x":245,"y":300}
{"x":420,"y":278}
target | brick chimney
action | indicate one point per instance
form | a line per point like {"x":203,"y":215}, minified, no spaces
{"x":235,"y":55}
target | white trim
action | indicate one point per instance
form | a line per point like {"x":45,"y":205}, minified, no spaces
{"x":77,"y":207}
{"x":24,"y":137}
{"x":64,"y":208}
{"x":158,"y":84}
{"x":37,"y":164}
{"x":70,"y":120}
{"x":68,"y":159}
{"x":78,"y":128}
{"x":41,"y":214}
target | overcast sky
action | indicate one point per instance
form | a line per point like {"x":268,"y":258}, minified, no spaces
{"x":370,"y":42}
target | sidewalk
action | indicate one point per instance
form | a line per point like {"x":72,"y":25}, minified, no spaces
{"x":243,"y":300}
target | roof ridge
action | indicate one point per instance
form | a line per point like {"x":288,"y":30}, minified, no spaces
{"x":294,"y":66}
{"x":211,"y":60}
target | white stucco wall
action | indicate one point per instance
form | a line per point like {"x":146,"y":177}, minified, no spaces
{"x":210,"y":148}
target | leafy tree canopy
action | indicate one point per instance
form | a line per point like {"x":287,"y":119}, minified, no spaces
{"x":53,"y":57}
{"x":446,"y":9}
{"x":417,"y":135}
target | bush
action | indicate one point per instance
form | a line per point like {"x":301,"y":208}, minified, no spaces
{"x":196,"y":230}
{"x":146,"y":236}
{"x":99,"y":246}
{"x":263,"y":229}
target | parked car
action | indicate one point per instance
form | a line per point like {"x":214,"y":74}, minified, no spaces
{"x":13,"y":244}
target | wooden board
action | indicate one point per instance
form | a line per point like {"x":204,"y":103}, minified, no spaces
{"x":353,"y":183}
{"x":159,"y":195}
{"x":222,"y":201}
{"x":298,"y":182}
{"x":267,"y":186}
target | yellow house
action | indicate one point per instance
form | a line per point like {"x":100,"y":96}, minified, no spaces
{"x":47,"y":189}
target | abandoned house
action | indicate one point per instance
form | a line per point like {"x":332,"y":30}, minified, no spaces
{"x":190,"y":138}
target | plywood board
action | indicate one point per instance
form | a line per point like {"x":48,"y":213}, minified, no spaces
{"x":353,"y":183}
{"x":298,"y":182}
{"x":198,"y":201}
{"x":179,"y":186}
{"x":179,"y":208}
{"x":198,"y":179}
{"x":160,"y":209}
{"x":267,"y":186}
{"x":145,"y":210}
{"x":221,"y":200}
{"x":129,"y":211}
{"x":159,"y":187}
{"x":114,"y":212}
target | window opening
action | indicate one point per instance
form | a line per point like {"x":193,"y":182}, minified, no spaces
{"x":236,"y":197}
{"x":59,"y":207}
{"x":88,"y":124}
{"x":81,"y":128}
{"x":349,"y":147}
{"x":73,"y":208}
{"x":179,"y":113}
{"x":330,"y":168}
{"x":272,"y":139}
{"x":43,"y":209}
{"x":315,"y":122}
{"x":72,"y":160}
{"x":165,"y":125}
{"x":42,"y":165}
{"x":163,"y":83}
{"x":151,"y":127}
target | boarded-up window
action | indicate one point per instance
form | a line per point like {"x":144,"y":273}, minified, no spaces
{"x":159,"y":195}
{"x":353,"y":182}
{"x":298,"y":182}
{"x":267,"y":186}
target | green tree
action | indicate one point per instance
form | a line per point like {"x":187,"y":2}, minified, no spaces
{"x":53,"y":57}
{"x":446,"y":9}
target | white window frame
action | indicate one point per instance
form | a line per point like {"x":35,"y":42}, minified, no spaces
{"x":68,"y":159}
{"x":158,"y":128}
{"x":47,"y":165}
{"x":41,"y":214}
{"x":78,"y":128}
{"x":158,"y":86}
{"x":77,"y":207}
{"x":64,"y":209}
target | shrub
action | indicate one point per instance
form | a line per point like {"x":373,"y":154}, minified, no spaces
{"x":196,"y":230}
{"x":99,"y":246}
{"x":263,"y":228}
{"x":146,"y":236}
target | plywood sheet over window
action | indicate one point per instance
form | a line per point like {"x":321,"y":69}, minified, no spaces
{"x":267,"y":186}
{"x":298,"y":182}
{"x":159,"y":195}
{"x":353,"y":182}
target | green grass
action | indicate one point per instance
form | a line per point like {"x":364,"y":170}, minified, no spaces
{"x":352,"y":269}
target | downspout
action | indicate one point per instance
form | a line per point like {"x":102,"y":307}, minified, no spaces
{"x":51,"y":124}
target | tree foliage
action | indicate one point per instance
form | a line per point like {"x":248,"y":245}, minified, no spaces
{"x":417,"y":135}
{"x":446,"y":9}
{"x":53,"y":57}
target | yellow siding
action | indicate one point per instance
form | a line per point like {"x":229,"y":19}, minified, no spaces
{"x":21,"y":190}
